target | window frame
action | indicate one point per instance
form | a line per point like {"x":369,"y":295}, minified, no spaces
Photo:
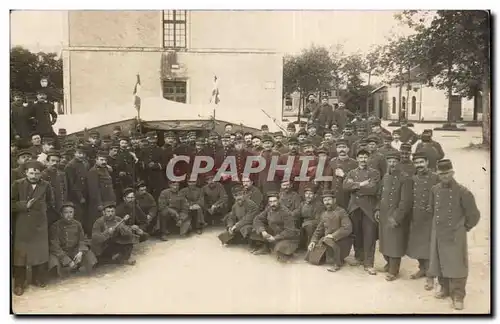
{"x":175,"y":29}
{"x":393,"y":110}
{"x":413,"y":105}
{"x":175,"y":86}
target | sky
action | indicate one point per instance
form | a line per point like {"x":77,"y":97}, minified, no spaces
{"x":356,"y":30}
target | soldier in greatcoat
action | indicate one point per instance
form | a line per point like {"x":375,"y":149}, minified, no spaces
{"x":333,"y":234}
{"x":387,"y":148}
{"x":252,"y":192}
{"x":151,"y":161}
{"x":57,"y":180}
{"x":407,"y":135}
{"x":392,"y":213}
{"x":454,"y":214}
{"x":239,"y":221}
{"x":100,"y":189}
{"x":406,"y":163}
{"x":69,"y":247}
{"x":426,"y":137}
{"x":18,"y":172}
{"x":275,"y":227}
{"x":215,"y":198}
{"x":147,"y":203}
{"x":196,"y":204}
{"x":288,"y":197}
{"x":126,"y":164}
{"x":293,"y":154}
{"x":44,"y":114}
{"x":112,"y":240}
{"x":376,"y":160}
{"x":341,"y":116}
{"x":363,"y":183}
{"x":31,"y":197}
{"x":307,"y":215}
{"x":92,"y":146}
{"x":279,"y":145}
{"x":20,"y":118}
{"x":76,"y":174}
{"x":138,"y":220}
{"x":173,"y":208}
{"x":421,"y":219}
{"x":267,"y":154}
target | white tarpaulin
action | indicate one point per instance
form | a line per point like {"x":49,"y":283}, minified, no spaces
{"x":159,"y":109}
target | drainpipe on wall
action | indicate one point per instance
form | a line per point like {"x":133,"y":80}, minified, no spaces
{"x":420,"y":104}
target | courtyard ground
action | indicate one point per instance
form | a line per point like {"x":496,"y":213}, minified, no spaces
{"x":198,"y":276}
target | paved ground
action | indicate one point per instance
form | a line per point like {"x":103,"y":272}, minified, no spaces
{"x":197,"y":275}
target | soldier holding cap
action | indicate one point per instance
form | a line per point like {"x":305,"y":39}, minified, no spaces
{"x":112,"y":239}
{"x":421,"y":218}
{"x":392,"y":214}
{"x":99,"y":188}
{"x":275,"y":227}
{"x":454,"y":214}
{"x":332,"y":236}
{"x":69,"y":248}
{"x":31,"y":197}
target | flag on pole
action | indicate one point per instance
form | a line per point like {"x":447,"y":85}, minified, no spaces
{"x":137,"y":93}
{"x":215,"y":92}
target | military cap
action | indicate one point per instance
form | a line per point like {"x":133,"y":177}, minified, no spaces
{"x":238,"y":132}
{"x":264,"y":127}
{"x":239,"y":138}
{"x":290,"y":126}
{"x":278,"y":133}
{"x":102,"y":154}
{"x":117,"y":128}
{"x":393,"y":155}
{"x":17,"y":93}
{"x":372,"y":139}
{"x":226,"y":136}
{"x":24,"y":152}
{"x":53,"y":153}
{"x":267,"y":138}
{"x":69,"y":152}
{"x":237,"y":190}
{"x":48,"y":140}
{"x":396,"y":131}
{"x":247,"y":133}
{"x":362,"y":152}
{"x":94,"y":133}
{"x":302,"y":132}
{"x":419,"y":155}
{"x":257,"y":136}
{"x":200,"y":140}
{"x":327,"y":131}
{"x":33,"y":164}
{"x":62,"y":132}
{"x":106,"y":137}
{"x":312,"y":126}
{"x":293,"y":140}
{"x":321,"y":149}
{"x":376,"y":122}
{"x":308,"y":187}
{"x":387,"y":137}
{"x":342,"y":141}
{"x":426,"y":133}
{"x":444,"y":166}
{"x":127,"y":191}
{"x":273,"y":194}
{"x":307,"y":142}
{"x":124,"y":138}
{"x":405,"y":147}
{"x":108,"y":204}
{"x":35,"y":133}
{"x":170,"y":134}
{"x":328,"y":193}
{"x":67,"y":204}
{"x":303,"y":123}
{"x":114,"y":145}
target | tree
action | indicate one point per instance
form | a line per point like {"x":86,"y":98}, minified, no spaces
{"x":372,"y":68}
{"x":27,"y":69}
{"x":355,"y":93}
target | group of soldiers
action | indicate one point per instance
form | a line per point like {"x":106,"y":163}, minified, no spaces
{"x":81,"y":202}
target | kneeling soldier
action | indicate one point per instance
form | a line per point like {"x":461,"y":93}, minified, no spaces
{"x":240,"y":219}
{"x":275,"y":227}
{"x":332,"y":236}
{"x":69,"y":248}
{"x":196,"y":202}
{"x":112,"y":240}
{"x":173,"y":206}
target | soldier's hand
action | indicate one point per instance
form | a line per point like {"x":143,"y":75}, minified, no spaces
{"x":149,"y":217}
{"x":377,"y":215}
{"x":364,"y":183}
{"x":17,"y":137}
{"x":392,"y":222}
{"x":122,"y":174}
{"x":311,"y":246}
{"x":271,"y":238}
{"x":231,"y":230}
{"x":110,"y":230}
{"x":110,"y":169}
{"x":72,"y":265}
{"x":151,"y":164}
{"x":82,"y":201}
{"x":339,"y":172}
{"x":265,"y":235}
{"x":30,"y":203}
{"x":78,"y":258}
{"x":329,"y":236}
{"x":134,"y":227}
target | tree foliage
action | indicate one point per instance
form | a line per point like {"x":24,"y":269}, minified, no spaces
{"x":27,"y":69}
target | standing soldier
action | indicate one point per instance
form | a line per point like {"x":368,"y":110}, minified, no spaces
{"x":44,"y":114}
{"x":275,"y":227}
{"x":421,"y":219}
{"x":19,"y":172}
{"x":339,"y":167}
{"x":396,"y":139}
{"x":313,"y":136}
{"x":454,"y":214}
{"x":348,"y":135}
{"x":392,"y":214}
{"x":406,"y":164}
{"x":241,"y":155}
{"x":387,"y":146}
{"x":76,"y":175}
{"x":279,"y":146}
{"x":362,"y":183}
{"x":172,"y":206}
{"x":407,"y":135}
{"x":324,"y":115}
{"x":267,"y":154}
{"x":376,"y":160}
{"x":92,"y":146}
{"x":293,"y":153}
{"x":333,"y":234}
{"x":36,"y":145}
{"x":431,"y":148}
{"x":20,"y":119}
{"x":31,"y":197}
{"x":341,"y":116}
{"x":125,"y":164}
{"x":112,"y":164}
{"x":248,"y":141}
{"x":57,"y":180}
{"x":151,"y":158}
{"x":329,"y":143}
{"x":100,"y":189}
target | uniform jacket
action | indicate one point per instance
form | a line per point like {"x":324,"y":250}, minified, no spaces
{"x":147,"y":203}
{"x":279,"y":223}
{"x":346,"y":164}
{"x":336,"y":222}
{"x":57,"y":180}
{"x":76,"y":175}
{"x":45,"y":116}
{"x":100,"y":237}
{"x":364,"y":198}
{"x":100,"y":189}
{"x":66,"y":240}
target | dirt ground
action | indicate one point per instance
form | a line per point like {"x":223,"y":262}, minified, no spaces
{"x":198,"y":276}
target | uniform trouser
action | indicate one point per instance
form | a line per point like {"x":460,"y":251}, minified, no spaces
{"x":113,"y":248}
{"x":365,"y":237}
{"x":39,"y":273}
{"x":393,"y":265}
{"x":423,"y":265}
{"x":197,"y":218}
{"x":183,"y":222}
{"x":454,"y":286}
{"x":339,"y":251}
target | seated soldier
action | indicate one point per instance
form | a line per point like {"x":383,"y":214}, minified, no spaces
{"x":332,"y":236}
{"x":215,"y":198}
{"x":172,"y":206}
{"x":240,"y":219}
{"x":69,"y":248}
{"x":146,"y":202}
{"x":307,"y":215}
{"x":112,"y":239}
{"x":275,"y":227}
{"x":288,"y":197}
{"x":196,"y":203}
{"x":138,"y":220}
{"x":252,"y":191}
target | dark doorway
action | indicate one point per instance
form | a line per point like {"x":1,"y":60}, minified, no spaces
{"x":381,"y":108}
{"x":456,"y":108}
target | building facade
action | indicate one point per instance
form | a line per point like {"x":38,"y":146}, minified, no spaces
{"x":177,"y":54}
